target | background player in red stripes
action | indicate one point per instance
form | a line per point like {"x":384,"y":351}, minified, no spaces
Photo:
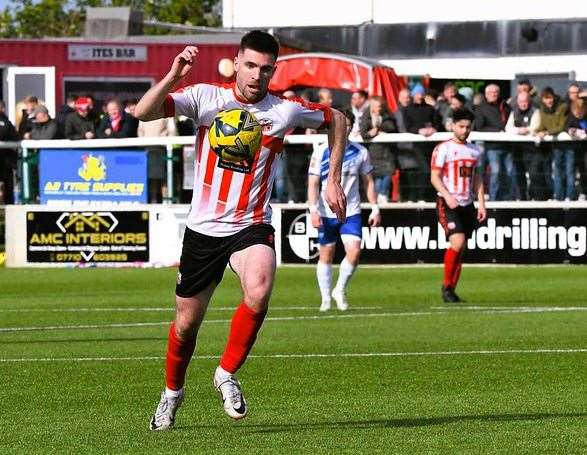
{"x":455,"y":175}
{"x":230,"y":215}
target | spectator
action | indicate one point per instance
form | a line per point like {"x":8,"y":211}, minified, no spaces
{"x":406,"y":161}
{"x":523,"y":86}
{"x":61,"y":117}
{"x":573,"y":93}
{"x":28,"y":117}
{"x":78,"y":124}
{"x":422,"y":119}
{"x":467,"y":93}
{"x":8,"y":157}
{"x":491,"y":116}
{"x":7,"y":130}
{"x":457,"y":103}
{"x":551,"y":119}
{"x":536,"y":160}
{"x":443,"y":105}
{"x":380,"y":120}
{"x":44,"y":127}
{"x":156,"y":170}
{"x":325,"y":97}
{"x":359,"y":106}
{"x":576,"y":126}
{"x":478,"y":98}
{"x":430,"y":97}
{"x":117,"y":123}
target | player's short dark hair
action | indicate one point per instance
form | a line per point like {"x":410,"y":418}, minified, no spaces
{"x":259,"y":41}
{"x":362,"y":92}
{"x":349,"y":114}
{"x":525,"y":82}
{"x":462,"y":114}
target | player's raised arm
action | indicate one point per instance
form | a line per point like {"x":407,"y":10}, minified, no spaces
{"x":150,"y":106}
{"x":336,"y":143}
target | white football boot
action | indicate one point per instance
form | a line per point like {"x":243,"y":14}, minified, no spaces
{"x":340,"y":299}
{"x":325,"y":306}
{"x":231,"y":394}
{"x":164,"y":416}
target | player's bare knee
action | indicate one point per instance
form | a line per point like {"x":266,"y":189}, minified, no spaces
{"x":457,"y":242}
{"x":257,"y":293}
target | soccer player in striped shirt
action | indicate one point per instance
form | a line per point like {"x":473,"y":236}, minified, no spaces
{"x":229,"y":219}
{"x":455,"y":174}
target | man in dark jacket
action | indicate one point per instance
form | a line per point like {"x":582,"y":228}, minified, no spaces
{"x":491,"y":116}
{"x":535,"y":160}
{"x":61,"y":117}
{"x":7,"y":130}
{"x":44,"y":127}
{"x":421,"y":118}
{"x":117,"y":124}
{"x":78,"y":125}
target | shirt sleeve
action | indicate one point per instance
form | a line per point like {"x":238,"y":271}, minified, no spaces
{"x":316,"y":162}
{"x":309,"y":115}
{"x":438,"y":158}
{"x":366,"y":166}
{"x":183,"y":102}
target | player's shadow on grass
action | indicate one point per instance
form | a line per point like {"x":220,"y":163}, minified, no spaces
{"x":402,"y":423}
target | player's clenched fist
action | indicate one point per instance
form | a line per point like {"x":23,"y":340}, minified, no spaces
{"x":183,"y":62}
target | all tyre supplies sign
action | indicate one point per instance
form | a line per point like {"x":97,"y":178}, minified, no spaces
{"x":87,"y":237}
{"x":113,"y":176}
{"x":409,"y":236}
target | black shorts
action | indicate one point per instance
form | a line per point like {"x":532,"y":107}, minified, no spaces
{"x":461,"y":220}
{"x":204,"y":258}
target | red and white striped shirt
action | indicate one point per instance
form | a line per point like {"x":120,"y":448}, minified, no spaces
{"x":228,"y":197}
{"x":457,"y":162}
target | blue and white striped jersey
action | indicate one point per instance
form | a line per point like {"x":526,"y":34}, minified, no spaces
{"x":356,"y":162}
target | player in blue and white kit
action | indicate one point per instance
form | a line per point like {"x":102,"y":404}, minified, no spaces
{"x":356,"y":163}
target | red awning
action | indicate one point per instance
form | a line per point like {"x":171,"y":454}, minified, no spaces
{"x":337,"y":71}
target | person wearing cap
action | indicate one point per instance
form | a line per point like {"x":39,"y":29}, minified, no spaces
{"x":78,"y":124}
{"x":44,"y":127}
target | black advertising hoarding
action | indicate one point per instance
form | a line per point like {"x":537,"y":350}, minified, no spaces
{"x":87,"y":236}
{"x":413,"y":235}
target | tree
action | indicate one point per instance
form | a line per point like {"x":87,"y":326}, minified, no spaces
{"x":29,"y":19}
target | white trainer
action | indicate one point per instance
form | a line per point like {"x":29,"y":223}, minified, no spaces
{"x":164,"y":416}
{"x":325,"y":306}
{"x":340,"y":299}
{"x":231,"y":394}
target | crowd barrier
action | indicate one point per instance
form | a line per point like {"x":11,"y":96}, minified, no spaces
{"x":26,"y":146}
{"x":151,"y":235}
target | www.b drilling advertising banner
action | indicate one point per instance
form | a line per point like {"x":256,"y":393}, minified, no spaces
{"x":75,"y":175}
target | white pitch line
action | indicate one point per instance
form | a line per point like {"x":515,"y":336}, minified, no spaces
{"x":479,"y":307}
{"x":157,"y":309}
{"x":210,"y":321}
{"x":309,"y":356}
{"x":285,"y":318}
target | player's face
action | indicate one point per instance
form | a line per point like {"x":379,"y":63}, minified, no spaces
{"x":462,"y":129}
{"x":253,"y":73}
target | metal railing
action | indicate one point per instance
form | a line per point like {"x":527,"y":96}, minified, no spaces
{"x":25,"y":146}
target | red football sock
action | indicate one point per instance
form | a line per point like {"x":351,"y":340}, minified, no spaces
{"x":243,"y":333}
{"x":179,"y":354}
{"x":451,"y":261}
{"x":457,"y":272}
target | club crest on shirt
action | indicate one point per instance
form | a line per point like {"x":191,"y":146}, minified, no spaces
{"x":266,"y":124}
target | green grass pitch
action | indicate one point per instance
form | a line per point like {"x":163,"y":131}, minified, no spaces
{"x":81,"y":364}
